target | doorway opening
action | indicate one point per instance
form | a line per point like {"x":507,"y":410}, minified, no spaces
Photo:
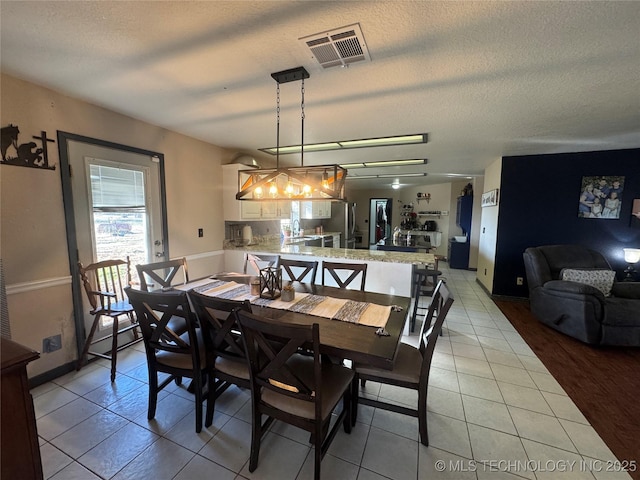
{"x":115,"y":207}
{"x":380,"y":219}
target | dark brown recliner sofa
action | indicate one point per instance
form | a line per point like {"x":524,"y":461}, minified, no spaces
{"x":577,"y":309}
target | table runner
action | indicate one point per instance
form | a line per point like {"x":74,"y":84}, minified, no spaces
{"x":361,"y":313}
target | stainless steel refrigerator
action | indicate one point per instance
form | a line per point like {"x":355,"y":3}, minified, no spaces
{"x":343,"y":220}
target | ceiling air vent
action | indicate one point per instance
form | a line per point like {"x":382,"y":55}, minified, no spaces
{"x":339,"y":47}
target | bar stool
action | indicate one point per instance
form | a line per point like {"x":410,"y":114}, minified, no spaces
{"x":425,"y":280}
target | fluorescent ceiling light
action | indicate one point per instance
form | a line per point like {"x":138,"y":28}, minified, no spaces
{"x":376,"y":142}
{"x":345,"y":144}
{"x":385,"y":175}
{"x":316,"y":147}
{"x":386,"y":163}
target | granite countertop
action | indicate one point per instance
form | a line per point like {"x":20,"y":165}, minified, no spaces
{"x":338,"y":253}
{"x":309,"y":236}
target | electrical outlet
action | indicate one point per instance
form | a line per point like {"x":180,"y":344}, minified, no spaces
{"x":200,"y":233}
{"x":51,"y":344}
{"x":519,"y":281}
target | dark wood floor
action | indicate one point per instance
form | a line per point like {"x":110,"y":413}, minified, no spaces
{"x":603,"y":382}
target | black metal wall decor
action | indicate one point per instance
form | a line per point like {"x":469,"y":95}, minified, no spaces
{"x":24,"y":154}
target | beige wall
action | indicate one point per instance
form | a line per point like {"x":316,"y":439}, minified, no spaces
{"x":489,"y":228}
{"x":32,"y":229}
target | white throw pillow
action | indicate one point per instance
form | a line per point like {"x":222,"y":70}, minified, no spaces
{"x":600,"y":278}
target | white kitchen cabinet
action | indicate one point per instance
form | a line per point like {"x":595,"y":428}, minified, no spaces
{"x":250,"y":210}
{"x":315,"y":209}
{"x":232,"y":209}
{"x":236,"y":210}
{"x":284,"y":209}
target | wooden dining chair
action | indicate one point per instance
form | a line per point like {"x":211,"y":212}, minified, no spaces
{"x":411,"y":366}
{"x":336,"y":269}
{"x":293,"y":388}
{"x":302,"y":270}
{"x":104,"y":283}
{"x":163,"y":275}
{"x":424,"y":282}
{"x":179,"y":355}
{"x":159,"y":275}
{"x":253,"y":263}
{"x":226,"y":355}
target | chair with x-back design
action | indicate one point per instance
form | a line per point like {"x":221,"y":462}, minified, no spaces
{"x":159,"y":275}
{"x":253,"y":263}
{"x":411,"y":367}
{"x":296,"y":389}
{"x":179,"y":355}
{"x":226,"y":355}
{"x":352,"y":269}
{"x":299,"y":270}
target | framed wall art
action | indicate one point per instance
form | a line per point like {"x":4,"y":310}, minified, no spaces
{"x":490,"y":198}
{"x":601,"y":197}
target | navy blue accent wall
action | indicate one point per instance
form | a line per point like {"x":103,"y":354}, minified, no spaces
{"x":539,"y":197}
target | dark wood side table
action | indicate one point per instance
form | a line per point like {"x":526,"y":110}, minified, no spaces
{"x":19,"y":450}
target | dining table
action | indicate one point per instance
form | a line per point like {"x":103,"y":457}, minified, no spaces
{"x":338,"y":338}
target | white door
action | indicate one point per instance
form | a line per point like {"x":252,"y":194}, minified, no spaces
{"x":117,"y":207}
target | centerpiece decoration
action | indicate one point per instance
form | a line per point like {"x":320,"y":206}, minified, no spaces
{"x":270,"y":282}
{"x":288,"y":293}
{"x":255,"y":286}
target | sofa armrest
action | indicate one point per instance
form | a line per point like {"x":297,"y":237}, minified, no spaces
{"x":626,"y":290}
{"x":565,"y":286}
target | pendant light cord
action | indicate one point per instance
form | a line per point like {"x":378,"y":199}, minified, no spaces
{"x":277,"y":125}
{"x":302,"y":135}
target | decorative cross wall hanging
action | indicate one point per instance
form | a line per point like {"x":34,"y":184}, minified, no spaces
{"x":25,"y":154}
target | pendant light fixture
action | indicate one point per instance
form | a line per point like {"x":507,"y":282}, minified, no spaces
{"x":321,"y":182}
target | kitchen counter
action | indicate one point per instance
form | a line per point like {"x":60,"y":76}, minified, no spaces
{"x":387,"y":272}
{"x":344,"y":254}
{"x":311,"y":236}
{"x":390,"y":246}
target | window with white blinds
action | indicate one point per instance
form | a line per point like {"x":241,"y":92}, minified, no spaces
{"x":117,"y":189}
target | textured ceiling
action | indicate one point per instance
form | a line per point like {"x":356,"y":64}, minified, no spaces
{"x":484,"y":79}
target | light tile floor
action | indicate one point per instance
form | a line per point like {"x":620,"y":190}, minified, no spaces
{"x":494,"y":412}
